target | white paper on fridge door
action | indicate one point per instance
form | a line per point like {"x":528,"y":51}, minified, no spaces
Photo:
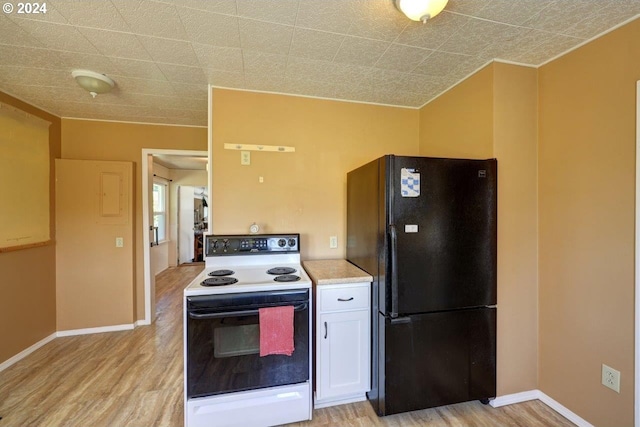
{"x":409,"y":182}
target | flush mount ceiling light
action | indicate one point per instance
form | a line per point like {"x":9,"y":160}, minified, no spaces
{"x":420,"y":10}
{"x":93,"y":82}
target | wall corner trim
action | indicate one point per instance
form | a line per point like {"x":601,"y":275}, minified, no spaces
{"x":636,"y":278}
{"x":98,"y":330}
{"x":27,"y":351}
{"x":525,"y":396}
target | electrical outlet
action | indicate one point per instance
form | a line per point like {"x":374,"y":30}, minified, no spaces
{"x":245,"y":157}
{"x":611,"y":378}
{"x":119,"y":242}
{"x":333,"y":242}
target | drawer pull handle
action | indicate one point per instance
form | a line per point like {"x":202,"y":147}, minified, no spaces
{"x":345,"y":299}
{"x":325,"y":330}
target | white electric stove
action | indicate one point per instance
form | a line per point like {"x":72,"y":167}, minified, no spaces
{"x":227,"y":382}
{"x":251,"y":273}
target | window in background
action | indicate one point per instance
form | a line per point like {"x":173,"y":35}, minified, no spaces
{"x":160,"y":209}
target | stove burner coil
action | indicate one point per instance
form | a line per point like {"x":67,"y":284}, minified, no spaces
{"x":279,"y":271}
{"x":219,"y":281}
{"x":219,"y":273}
{"x":287,"y":278}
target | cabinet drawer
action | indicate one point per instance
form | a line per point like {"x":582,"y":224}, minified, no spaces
{"x":344,"y":298}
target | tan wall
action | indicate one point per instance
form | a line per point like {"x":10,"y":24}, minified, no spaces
{"x":459,"y":124}
{"x":94,"y":278}
{"x":515,"y":132}
{"x":586,"y":186}
{"x":493,"y":114}
{"x":304,"y":191}
{"x":96,"y":140}
{"x":28,"y":301}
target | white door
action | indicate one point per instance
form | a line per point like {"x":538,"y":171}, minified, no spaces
{"x":344,"y":354}
{"x":185,"y":224}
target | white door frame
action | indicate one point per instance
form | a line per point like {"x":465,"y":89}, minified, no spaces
{"x":149,"y":294}
{"x":637,"y":266}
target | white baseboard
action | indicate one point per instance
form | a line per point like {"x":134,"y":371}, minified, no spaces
{"x":525,"y":396}
{"x":510,"y":399}
{"x":562,"y":410}
{"x":142,"y":322}
{"x":24,"y":353}
{"x":98,"y":330}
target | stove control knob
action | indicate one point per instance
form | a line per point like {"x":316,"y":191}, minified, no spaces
{"x":214,"y":245}
{"x":225,"y":244}
{"x":292,"y":242}
{"x":282,"y":243}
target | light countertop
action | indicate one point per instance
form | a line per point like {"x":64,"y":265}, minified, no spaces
{"x":334,"y":271}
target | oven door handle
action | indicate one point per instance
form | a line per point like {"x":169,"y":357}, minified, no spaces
{"x":198,"y":316}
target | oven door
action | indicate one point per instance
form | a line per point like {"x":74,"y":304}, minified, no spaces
{"x":223,"y":343}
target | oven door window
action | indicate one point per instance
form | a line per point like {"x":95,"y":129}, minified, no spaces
{"x":231,"y":341}
{"x":223,"y":355}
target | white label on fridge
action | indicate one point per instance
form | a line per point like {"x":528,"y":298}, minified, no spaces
{"x":409,"y":182}
{"x":411,"y":228}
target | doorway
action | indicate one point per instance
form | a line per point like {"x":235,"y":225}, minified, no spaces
{"x":163,"y":173}
{"x":192,"y":223}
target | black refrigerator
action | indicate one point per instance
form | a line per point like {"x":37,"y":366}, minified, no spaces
{"x":426,"y":230}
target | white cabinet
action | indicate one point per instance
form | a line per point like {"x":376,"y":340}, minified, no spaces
{"x":343,"y":336}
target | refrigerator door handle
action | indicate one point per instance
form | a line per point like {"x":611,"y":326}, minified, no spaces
{"x":399,"y":320}
{"x":394,"y":270}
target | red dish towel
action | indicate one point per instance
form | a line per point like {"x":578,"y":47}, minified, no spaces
{"x":276,"y":330}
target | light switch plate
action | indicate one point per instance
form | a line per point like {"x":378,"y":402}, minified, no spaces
{"x":333,"y":242}
{"x":119,"y":242}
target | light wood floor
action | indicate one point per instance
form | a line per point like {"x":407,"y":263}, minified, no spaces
{"x":135,"y":378}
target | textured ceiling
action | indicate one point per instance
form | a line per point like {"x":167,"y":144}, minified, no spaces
{"x":173,"y":161}
{"x":162,"y":54}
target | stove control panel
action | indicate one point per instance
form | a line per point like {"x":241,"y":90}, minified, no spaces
{"x":252,"y":244}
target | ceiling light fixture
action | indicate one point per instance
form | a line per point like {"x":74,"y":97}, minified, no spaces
{"x":93,"y":82}
{"x":420,"y":10}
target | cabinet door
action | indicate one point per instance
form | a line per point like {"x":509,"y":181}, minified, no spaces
{"x":344,"y":353}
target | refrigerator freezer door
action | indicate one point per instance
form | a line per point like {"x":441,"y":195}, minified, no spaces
{"x":436,"y":359}
{"x":443,"y":231}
